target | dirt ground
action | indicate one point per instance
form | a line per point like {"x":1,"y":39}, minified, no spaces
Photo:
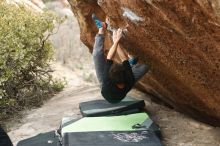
{"x":177,"y":129}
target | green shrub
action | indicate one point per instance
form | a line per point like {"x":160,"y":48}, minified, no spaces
{"x":25,"y":54}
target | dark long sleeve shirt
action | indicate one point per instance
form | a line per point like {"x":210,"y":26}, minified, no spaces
{"x":110,"y":91}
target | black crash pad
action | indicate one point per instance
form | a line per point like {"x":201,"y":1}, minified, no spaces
{"x":43,"y":139}
{"x":4,"y":138}
{"x":96,"y":108}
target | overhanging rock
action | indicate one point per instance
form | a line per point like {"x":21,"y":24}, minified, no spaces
{"x":181,"y":41}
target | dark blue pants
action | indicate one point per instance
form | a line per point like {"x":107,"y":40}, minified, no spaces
{"x":4,"y":139}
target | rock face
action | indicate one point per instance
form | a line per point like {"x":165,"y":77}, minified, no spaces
{"x":181,"y":41}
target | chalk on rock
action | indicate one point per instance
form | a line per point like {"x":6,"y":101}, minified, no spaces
{"x":131,"y":15}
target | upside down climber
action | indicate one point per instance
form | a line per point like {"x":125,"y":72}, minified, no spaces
{"x":116,"y":79}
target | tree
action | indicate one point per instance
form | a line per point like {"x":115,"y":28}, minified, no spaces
{"x":25,"y":54}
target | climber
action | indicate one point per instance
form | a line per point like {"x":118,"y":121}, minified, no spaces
{"x":116,"y":80}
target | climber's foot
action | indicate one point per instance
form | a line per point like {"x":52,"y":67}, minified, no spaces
{"x":99,"y":24}
{"x":133,"y":60}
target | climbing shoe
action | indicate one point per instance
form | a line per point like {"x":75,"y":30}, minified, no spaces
{"x":98,"y":23}
{"x":133,"y":60}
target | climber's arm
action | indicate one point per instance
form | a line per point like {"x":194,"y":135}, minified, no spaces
{"x":112,"y":51}
{"x":122,"y":54}
{"x":116,"y":37}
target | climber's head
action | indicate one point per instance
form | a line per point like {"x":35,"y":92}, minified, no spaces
{"x":117,"y":73}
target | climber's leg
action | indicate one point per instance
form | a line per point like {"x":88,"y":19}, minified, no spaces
{"x":98,"y":56}
{"x":98,"y":50}
{"x":139,"y":70}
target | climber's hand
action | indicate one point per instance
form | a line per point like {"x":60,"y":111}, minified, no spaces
{"x":117,"y":35}
{"x":114,"y":36}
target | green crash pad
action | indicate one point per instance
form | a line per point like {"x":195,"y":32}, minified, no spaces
{"x":130,"y":130}
{"x":96,"y":108}
{"x":108,"y":138}
{"x":113,"y":123}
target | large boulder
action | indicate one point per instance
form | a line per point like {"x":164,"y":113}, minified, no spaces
{"x":181,"y":41}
